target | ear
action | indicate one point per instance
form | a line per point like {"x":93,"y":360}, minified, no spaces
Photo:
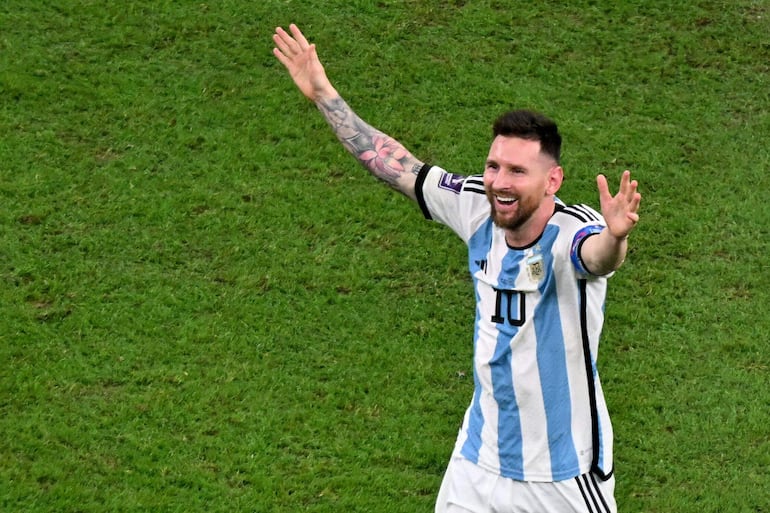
{"x":555,"y":179}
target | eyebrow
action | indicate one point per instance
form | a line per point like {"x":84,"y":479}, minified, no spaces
{"x":514,"y":167}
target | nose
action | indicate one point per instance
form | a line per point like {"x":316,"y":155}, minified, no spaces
{"x":501,"y":181}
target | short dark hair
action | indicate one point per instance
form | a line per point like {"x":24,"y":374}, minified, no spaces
{"x":532,"y":126}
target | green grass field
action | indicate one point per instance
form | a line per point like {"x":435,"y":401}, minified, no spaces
{"x":208,"y":306}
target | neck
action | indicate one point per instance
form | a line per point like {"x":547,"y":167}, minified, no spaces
{"x":515,"y":240}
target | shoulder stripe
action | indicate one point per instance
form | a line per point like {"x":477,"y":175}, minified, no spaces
{"x":573,"y":213}
{"x":475,"y":189}
{"x":474,"y":184}
{"x":590,"y":213}
{"x":580,"y":212}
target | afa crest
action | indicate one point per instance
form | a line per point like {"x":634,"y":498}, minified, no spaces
{"x":536,"y":267}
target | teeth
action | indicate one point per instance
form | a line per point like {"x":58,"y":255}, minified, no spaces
{"x":502,"y":199}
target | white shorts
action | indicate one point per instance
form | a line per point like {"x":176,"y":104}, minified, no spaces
{"x":468,"y":488}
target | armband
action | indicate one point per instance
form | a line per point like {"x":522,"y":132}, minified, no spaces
{"x":577,"y":241}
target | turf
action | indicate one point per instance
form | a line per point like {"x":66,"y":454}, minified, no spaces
{"x":207,"y":305}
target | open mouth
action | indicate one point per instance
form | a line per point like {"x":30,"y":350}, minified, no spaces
{"x":505,"y":201}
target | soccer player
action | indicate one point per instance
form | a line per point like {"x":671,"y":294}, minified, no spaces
{"x":537,"y":435}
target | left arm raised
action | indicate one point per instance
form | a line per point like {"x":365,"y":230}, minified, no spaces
{"x":605,"y":252}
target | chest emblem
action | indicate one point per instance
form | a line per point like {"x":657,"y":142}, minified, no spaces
{"x":535,"y":265}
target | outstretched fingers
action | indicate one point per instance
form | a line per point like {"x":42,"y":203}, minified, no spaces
{"x":284,"y":43}
{"x":292,"y":50}
{"x":620,"y":210}
{"x":627,"y":193}
{"x":290,"y":44}
{"x":299,"y":36}
{"x":301,"y":61}
{"x":628,"y":187}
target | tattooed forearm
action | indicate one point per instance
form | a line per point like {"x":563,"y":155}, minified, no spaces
{"x":382,"y":155}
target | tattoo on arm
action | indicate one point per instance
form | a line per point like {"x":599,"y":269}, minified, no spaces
{"x":382,"y":155}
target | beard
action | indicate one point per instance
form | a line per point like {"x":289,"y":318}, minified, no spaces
{"x":512,"y":221}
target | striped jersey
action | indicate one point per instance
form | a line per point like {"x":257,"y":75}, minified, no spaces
{"x":538,"y":412}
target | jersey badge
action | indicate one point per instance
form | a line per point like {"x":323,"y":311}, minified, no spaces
{"x":535,"y":266}
{"x":451,"y":182}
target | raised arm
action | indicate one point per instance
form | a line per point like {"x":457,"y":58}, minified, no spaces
{"x":605,"y":252}
{"x":383,"y":156}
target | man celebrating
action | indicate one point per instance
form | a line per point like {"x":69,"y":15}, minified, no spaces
{"x":537,"y":435}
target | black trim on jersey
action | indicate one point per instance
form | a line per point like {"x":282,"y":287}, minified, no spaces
{"x":580,"y":253}
{"x":578,"y":212}
{"x":474,"y":184}
{"x":590,"y":215}
{"x":418,"y":184}
{"x":582,"y":285}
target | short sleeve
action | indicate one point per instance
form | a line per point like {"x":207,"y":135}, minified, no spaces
{"x":456,"y":201}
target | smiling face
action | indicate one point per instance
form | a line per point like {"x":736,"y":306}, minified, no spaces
{"x":520,"y":182}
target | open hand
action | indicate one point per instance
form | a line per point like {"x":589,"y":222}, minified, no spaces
{"x":620,"y":211}
{"x":300,"y":59}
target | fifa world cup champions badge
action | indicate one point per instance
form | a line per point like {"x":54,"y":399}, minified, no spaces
{"x":535,"y":266}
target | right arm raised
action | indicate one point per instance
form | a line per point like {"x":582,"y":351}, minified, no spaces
{"x":383,"y":156}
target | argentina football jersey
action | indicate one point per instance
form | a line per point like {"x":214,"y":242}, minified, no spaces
{"x":538,"y":412}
